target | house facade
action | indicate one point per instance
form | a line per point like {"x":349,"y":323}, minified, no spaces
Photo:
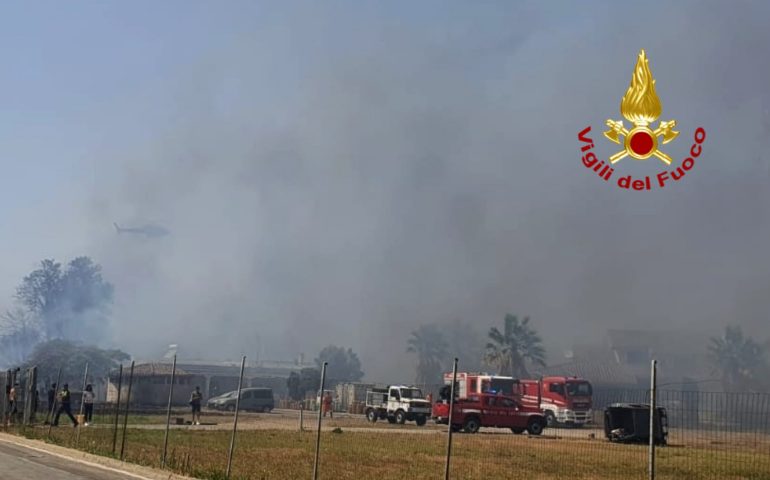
{"x":152,"y":380}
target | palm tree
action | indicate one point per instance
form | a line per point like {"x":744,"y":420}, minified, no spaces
{"x":736,"y":358}
{"x":511,"y":349}
{"x":431,"y":349}
{"x":465,"y":343}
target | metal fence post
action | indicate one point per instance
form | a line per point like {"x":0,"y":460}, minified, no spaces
{"x":117,"y":411}
{"x":125,"y":417}
{"x":82,"y":405}
{"x":168,"y":414}
{"x":451,"y":411}
{"x":235,"y":419}
{"x":53,"y":404}
{"x":6,"y":377}
{"x":540,"y":393}
{"x":22,"y":393}
{"x":29,"y":398}
{"x":653,"y":385}
{"x":320,"y":416}
{"x":301,"y":416}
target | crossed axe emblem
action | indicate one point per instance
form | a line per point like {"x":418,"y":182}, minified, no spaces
{"x":640,"y":142}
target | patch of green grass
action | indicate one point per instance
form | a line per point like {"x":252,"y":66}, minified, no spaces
{"x":284,"y":454}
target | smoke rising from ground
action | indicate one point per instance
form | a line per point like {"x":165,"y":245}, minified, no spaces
{"x":343,"y":175}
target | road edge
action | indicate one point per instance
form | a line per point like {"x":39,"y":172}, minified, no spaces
{"x":140,"y":472}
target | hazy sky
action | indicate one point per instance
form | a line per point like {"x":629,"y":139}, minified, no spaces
{"x":340,"y":172}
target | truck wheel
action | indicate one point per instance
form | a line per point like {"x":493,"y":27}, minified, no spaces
{"x":231,"y":408}
{"x":371,"y":415}
{"x":420,"y":420}
{"x":265,"y":409}
{"x":391,"y":419}
{"x":550,"y":419}
{"x":471,"y":425}
{"x":517,"y":431}
{"x":535,"y":427}
{"x":400,"y":417}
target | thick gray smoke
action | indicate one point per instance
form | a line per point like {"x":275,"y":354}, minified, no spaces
{"x":345,"y":176}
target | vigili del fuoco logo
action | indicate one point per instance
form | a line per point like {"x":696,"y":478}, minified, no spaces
{"x":640,"y":106}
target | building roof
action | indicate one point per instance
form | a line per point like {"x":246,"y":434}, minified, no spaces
{"x":226,"y":369}
{"x":632,"y":338}
{"x":659,"y":341}
{"x":223,"y":369}
{"x":151,"y":369}
{"x":680,"y":354}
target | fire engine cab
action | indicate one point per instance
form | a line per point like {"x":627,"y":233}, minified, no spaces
{"x":564,"y":400}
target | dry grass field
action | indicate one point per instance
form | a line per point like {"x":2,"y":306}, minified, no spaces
{"x":386,"y":455}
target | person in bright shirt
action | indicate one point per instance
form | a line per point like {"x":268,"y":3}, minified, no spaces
{"x":88,"y":404}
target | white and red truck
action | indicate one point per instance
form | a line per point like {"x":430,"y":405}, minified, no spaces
{"x":397,"y":404}
{"x":564,"y":400}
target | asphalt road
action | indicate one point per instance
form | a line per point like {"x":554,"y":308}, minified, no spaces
{"x":22,"y":463}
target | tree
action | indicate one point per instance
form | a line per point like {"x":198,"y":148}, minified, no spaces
{"x":465,"y":343}
{"x":511,"y":349}
{"x":70,"y":303}
{"x":40,"y":292}
{"x":86,"y":298}
{"x":431,"y":349}
{"x":738,"y":360}
{"x":344,"y":365}
{"x":19,"y":333}
{"x":292,"y":385}
{"x":308,"y":379}
{"x":72,"y":358}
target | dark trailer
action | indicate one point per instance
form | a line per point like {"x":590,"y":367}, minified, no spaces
{"x":630,"y":423}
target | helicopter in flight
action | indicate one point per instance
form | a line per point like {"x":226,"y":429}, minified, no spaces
{"x":149,"y":231}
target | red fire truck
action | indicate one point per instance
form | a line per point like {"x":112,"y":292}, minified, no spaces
{"x":470,"y":383}
{"x":564,"y":400}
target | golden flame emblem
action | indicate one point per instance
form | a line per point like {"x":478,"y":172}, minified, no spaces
{"x":641,"y":106}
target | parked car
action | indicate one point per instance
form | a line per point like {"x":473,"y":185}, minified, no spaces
{"x":252,"y":399}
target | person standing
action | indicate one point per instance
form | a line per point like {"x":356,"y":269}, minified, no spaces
{"x":51,"y":398}
{"x":327,"y":405}
{"x":64,"y":407}
{"x":12,"y":403}
{"x":88,"y":404}
{"x":195,"y":404}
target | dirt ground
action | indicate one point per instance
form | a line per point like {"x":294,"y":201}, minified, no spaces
{"x":280,"y":419}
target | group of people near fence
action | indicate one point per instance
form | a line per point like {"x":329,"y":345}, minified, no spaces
{"x":64,"y":398}
{"x":59,"y":402}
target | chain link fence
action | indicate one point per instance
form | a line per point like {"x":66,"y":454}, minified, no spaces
{"x":710,"y":435}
